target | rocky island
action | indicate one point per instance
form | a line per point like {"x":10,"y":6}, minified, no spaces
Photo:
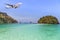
{"x":4,"y":18}
{"x":48,"y":20}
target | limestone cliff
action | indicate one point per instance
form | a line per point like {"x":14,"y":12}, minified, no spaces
{"x":4,"y":18}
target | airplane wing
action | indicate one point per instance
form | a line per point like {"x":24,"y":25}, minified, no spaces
{"x":9,"y":5}
{"x":17,"y":4}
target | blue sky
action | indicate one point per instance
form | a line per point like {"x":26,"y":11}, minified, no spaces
{"x":32,"y":10}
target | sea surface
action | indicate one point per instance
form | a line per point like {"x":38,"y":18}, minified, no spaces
{"x":29,"y":31}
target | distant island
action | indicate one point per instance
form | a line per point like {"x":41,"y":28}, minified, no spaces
{"x":28,"y":22}
{"x":48,"y":20}
{"x":4,"y":18}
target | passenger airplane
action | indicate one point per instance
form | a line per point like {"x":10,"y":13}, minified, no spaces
{"x":13,"y":6}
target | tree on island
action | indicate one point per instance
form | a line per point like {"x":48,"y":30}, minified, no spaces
{"x":48,"y":20}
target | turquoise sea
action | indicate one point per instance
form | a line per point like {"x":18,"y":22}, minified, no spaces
{"x":29,"y":31}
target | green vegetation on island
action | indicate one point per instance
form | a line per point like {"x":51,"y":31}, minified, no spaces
{"x":4,"y":18}
{"x":48,"y":20}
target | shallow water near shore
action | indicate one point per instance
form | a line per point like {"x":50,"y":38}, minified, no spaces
{"x":30,"y":32}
